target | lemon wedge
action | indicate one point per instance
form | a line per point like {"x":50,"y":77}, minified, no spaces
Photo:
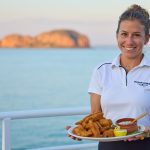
{"x":120,"y":132}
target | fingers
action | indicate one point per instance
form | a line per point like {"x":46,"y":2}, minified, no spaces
{"x":138,"y":137}
{"x":67,"y":127}
{"x":141,"y":137}
{"x":74,"y":138}
{"x":147,"y":129}
{"x":133,"y":139}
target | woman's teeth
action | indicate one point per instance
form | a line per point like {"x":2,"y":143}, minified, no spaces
{"x":129,"y":49}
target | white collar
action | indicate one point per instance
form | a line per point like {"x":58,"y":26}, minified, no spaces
{"x":145,"y":62}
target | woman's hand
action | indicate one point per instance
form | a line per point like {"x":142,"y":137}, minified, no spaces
{"x":138,"y":137}
{"x":72,"y":137}
{"x":147,"y":131}
{"x":142,"y":136}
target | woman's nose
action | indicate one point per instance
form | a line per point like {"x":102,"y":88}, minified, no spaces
{"x":129,"y":40}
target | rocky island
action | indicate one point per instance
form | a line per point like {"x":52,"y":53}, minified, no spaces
{"x":53,"y":39}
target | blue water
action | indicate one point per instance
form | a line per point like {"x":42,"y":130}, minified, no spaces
{"x":44,"y":79}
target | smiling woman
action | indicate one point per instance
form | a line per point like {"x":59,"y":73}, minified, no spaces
{"x":113,"y":89}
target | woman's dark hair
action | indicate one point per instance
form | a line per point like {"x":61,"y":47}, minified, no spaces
{"x":136,"y":12}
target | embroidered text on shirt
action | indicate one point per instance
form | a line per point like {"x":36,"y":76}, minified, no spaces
{"x":142,"y":83}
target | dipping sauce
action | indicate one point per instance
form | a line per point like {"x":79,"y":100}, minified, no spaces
{"x":125,"y":122}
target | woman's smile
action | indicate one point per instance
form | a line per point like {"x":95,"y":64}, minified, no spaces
{"x":130,"y":50}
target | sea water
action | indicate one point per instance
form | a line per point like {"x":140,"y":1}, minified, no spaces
{"x":44,"y":79}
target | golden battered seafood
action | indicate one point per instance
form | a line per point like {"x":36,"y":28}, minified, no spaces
{"x":80,"y":131}
{"x":94,"y":125}
{"x":105,"y":122}
{"x":108,"y":133}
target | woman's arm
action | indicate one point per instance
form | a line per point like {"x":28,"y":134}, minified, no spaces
{"x":95,"y":100}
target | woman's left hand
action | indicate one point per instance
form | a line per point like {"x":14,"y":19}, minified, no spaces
{"x":142,"y":136}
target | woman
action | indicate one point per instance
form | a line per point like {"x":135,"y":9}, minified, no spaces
{"x":121,"y":88}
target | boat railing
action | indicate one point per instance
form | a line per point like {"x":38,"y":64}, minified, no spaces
{"x":6,"y":118}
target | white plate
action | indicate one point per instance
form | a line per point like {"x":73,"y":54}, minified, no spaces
{"x":108,"y":139}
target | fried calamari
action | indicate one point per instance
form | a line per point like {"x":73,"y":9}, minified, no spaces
{"x":94,"y":125}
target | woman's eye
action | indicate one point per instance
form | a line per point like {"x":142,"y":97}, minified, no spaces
{"x":137,"y":35}
{"x":123,"y":34}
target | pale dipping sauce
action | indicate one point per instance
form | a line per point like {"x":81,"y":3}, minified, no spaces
{"x":125,"y":122}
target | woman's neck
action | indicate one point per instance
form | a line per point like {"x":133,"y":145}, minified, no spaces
{"x":128,"y":63}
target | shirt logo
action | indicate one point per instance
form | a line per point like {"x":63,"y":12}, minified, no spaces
{"x":144,"y":84}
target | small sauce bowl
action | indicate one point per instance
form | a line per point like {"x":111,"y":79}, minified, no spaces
{"x":125,"y":123}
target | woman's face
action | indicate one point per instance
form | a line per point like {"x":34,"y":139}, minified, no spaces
{"x":131,"y":38}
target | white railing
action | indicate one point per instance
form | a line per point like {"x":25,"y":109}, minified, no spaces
{"x":6,"y":118}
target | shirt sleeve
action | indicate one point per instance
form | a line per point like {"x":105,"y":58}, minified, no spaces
{"x":95,"y":83}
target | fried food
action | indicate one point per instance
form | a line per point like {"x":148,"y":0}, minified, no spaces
{"x":94,"y":125}
{"x":108,"y":133}
{"x":105,"y":122}
{"x":80,"y":131}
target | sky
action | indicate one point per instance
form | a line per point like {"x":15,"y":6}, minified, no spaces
{"x":97,"y":19}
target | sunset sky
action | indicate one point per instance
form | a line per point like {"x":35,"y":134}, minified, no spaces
{"x":95,"y":18}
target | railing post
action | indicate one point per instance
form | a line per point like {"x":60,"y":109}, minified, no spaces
{"x":6,"y":140}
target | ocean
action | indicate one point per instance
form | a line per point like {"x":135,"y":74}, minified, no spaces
{"x":45,"y":79}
